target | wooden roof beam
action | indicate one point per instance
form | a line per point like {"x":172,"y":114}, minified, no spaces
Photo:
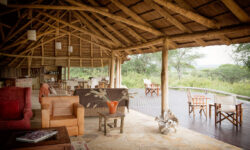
{"x":130,"y":13}
{"x":54,"y":7}
{"x":167,"y":16}
{"x":237,"y":10}
{"x":112,"y":28}
{"x":189,"y":14}
{"x":117,"y":18}
{"x":101,"y":28}
{"x":78,"y":28}
{"x":67,"y":32}
{"x":46,"y":57}
{"x":204,"y":34}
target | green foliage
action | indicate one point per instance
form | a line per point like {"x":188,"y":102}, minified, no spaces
{"x":231,"y":73}
{"x":182,"y":59}
{"x":241,"y":54}
{"x":228,"y":77}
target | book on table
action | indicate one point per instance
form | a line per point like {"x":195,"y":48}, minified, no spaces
{"x":37,"y":136}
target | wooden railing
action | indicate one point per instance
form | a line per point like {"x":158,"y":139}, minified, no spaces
{"x":212,"y":90}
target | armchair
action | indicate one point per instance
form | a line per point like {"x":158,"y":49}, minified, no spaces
{"x":15,"y":108}
{"x":63,"y":111}
{"x":227,"y":107}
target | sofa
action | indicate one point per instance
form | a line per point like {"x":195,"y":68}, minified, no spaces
{"x":112,"y":94}
{"x":15,"y":108}
{"x":63,"y":111}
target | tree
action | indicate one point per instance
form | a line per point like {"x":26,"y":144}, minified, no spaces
{"x":182,"y":59}
{"x":231,"y":73}
{"x":241,"y":54}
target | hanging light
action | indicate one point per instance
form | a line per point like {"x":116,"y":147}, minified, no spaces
{"x":58,"y":45}
{"x":70,"y":49}
{"x":31,"y":35}
{"x":4,"y":2}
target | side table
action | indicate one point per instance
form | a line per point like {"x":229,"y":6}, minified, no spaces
{"x":108,"y":117}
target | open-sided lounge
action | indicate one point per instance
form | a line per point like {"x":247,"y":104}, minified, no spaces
{"x":41,"y":40}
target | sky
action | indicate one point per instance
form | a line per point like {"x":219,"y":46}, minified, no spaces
{"x":214,"y":55}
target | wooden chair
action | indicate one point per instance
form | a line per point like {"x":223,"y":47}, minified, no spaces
{"x":227,"y":107}
{"x":197,"y":102}
{"x":151,"y":87}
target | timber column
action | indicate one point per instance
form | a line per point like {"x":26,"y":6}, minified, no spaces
{"x":112,"y":70}
{"x":117,"y":79}
{"x":164,"y":78}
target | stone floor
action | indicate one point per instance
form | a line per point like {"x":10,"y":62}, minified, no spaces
{"x":140,"y":133}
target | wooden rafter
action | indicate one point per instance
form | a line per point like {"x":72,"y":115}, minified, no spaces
{"x":101,"y":28}
{"x":54,"y":7}
{"x":167,"y":16}
{"x":78,"y":36}
{"x":237,"y":10}
{"x":25,"y":40}
{"x":189,"y":14}
{"x":5,"y":25}
{"x":204,"y":34}
{"x":47,"y":57}
{"x":129,"y":12}
{"x":132,"y":14}
{"x":77,"y":28}
{"x":118,"y":18}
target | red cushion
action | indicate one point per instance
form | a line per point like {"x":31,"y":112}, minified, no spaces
{"x":9,"y":110}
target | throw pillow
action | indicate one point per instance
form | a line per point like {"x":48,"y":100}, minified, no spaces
{"x":9,"y":110}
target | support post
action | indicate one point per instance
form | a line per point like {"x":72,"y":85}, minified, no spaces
{"x":65,"y":73}
{"x":164,"y":77}
{"x":117,"y":73}
{"x":112,"y":71}
{"x":120,"y":73}
{"x":29,"y":65}
{"x":68,"y":69}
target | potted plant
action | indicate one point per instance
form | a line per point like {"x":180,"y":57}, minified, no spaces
{"x":112,"y":104}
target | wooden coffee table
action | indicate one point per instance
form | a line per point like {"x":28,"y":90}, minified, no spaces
{"x":60,"y":141}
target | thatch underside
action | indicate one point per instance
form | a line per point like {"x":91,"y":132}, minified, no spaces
{"x":95,"y":29}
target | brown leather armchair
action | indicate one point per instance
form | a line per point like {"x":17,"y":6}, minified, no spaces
{"x":63,"y":111}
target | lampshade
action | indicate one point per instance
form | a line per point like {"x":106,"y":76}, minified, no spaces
{"x":58,"y":45}
{"x":31,"y":35}
{"x":4,"y":2}
{"x":70,"y":49}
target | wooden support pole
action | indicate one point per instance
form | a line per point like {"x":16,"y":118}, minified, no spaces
{"x":42,"y":52}
{"x":120,"y":73}
{"x":112,"y":71}
{"x":164,"y":78}
{"x":29,"y":65}
{"x":68,"y":69}
{"x":117,"y":74}
{"x":65,"y":73}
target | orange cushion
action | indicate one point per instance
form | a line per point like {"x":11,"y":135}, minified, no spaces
{"x":57,"y":121}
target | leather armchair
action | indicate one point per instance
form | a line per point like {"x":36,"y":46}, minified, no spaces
{"x":22,"y":96}
{"x":63,"y":111}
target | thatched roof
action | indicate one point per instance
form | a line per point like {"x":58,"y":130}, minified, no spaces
{"x":95,"y":29}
